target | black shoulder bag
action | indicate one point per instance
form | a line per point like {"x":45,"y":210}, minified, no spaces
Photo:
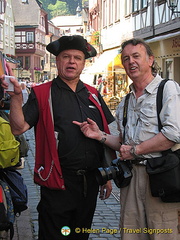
{"x":164,"y":172}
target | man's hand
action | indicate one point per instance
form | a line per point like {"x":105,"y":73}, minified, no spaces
{"x":125,"y":152}
{"x":90,"y":129}
{"x":105,"y":190}
{"x":17,"y":87}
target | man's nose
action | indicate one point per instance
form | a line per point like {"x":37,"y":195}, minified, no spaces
{"x":131,"y":59}
{"x":71,"y":59}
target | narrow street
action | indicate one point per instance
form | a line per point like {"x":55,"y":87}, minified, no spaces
{"x":106,"y":218}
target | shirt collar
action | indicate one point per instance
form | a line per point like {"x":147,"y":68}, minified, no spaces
{"x":151,"y":86}
{"x":61,"y":84}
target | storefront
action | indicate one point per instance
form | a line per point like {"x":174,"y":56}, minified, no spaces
{"x":99,"y":67}
{"x":116,"y":70}
{"x":114,"y":79}
{"x":166,"y":50}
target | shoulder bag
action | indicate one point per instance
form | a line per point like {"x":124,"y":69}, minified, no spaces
{"x":164,"y":172}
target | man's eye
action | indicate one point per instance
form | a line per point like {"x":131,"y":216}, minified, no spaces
{"x":125,"y":59}
{"x":78,"y":58}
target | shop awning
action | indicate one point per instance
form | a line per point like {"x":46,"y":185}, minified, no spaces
{"x":101,"y":63}
{"x":116,"y":62}
{"x":163,"y":37}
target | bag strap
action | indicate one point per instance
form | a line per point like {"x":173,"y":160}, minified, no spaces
{"x":125,"y":113}
{"x":159,"y":101}
{"x":125,"y":109}
{"x":158,"y":104}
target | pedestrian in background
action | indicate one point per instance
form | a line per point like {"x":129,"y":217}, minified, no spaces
{"x":66,"y":160}
{"x":142,"y":140}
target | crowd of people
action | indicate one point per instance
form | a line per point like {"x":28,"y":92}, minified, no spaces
{"x":71,"y":121}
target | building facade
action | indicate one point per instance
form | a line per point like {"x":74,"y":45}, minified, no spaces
{"x":50,"y":69}
{"x":160,"y":27}
{"x":119,"y":20}
{"x":7,"y":42}
{"x":31,"y":27}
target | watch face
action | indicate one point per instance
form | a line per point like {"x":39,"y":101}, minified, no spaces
{"x":102,"y":140}
{"x":132,"y":151}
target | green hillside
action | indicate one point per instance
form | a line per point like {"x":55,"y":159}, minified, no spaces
{"x":59,"y":8}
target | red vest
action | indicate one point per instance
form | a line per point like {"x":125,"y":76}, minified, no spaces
{"x":47,"y":171}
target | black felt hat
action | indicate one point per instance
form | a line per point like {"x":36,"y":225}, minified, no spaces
{"x":71,"y":42}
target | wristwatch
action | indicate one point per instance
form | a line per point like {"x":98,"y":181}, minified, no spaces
{"x":103,"y":139}
{"x":133,"y":151}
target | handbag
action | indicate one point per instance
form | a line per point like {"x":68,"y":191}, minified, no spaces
{"x":17,"y":187}
{"x":164,"y":176}
{"x":164,"y":172}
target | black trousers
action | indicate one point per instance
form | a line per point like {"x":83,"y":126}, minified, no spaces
{"x":68,"y":208}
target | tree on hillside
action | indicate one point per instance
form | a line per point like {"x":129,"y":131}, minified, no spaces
{"x":71,"y":6}
{"x":58,"y":9}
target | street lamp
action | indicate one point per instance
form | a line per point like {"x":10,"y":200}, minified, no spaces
{"x":172,"y":4}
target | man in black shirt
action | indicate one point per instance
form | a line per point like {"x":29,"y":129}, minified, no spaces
{"x":72,"y":204}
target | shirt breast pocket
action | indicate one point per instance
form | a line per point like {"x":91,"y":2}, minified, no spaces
{"x":149,"y":122}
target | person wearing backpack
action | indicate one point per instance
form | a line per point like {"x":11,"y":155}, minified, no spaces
{"x":143,"y":216}
{"x":66,"y":160}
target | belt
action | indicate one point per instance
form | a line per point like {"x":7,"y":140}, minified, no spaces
{"x":139,"y":161}
{"x":74,"y":172}
{"x":82,"y":173}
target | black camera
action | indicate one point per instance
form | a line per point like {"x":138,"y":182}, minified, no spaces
{"x":119,"y":171}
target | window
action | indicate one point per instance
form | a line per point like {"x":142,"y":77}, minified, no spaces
{"x":104,"y":13}
{"x":110,"y":19}
{"x":24,"y":1}
{"x":169,"y":68}
{"x":117,"y":10}
{"x":29,"y":37}
{"x":135,"y":5}
{"x":20,"y":37}
{"x":42,"y":21}
{"x":2,"y":7}
{"x":20,"y":59}
{"x":144,"y":3}
{"x":27,"y":63}
{"x":128,"y":7}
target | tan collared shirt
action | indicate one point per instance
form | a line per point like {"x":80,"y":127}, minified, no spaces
{"x":142,"y":122}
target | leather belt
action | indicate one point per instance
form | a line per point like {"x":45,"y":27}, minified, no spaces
{"x":139,"y":161}
{"x":82,"y":173}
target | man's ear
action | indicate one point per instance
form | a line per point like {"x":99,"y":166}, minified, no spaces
{"x":151,"y":61}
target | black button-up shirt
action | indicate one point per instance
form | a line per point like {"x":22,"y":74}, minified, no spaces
{"x":75,"y":150}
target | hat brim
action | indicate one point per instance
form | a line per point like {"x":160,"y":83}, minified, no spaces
{"x":71,"y":42}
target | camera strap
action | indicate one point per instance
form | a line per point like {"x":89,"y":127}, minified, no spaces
{"x":125,"y":113}
{"x":159,"y":101}
{"x":158,"y":104}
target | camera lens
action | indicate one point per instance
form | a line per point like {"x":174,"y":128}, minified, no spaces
{"x":105,"y":174}
{"x":119,"y":171}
